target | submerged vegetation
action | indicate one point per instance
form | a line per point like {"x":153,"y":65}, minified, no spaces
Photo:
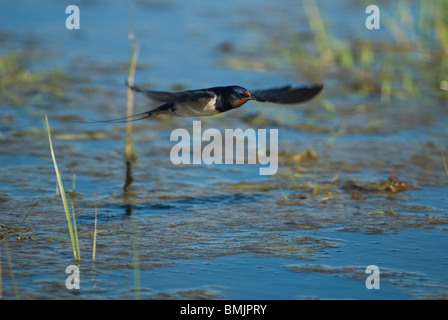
{"x":18,"y":230}
{"x":20,"y":86}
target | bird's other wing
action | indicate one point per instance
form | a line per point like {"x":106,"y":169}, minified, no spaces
{"x":287,"y":94}
{"x":173,"y":97}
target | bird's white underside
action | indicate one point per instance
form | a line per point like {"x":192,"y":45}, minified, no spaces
{"x":201,"y":107}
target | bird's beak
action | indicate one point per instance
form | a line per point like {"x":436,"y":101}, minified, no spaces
{"x":248,"y":95}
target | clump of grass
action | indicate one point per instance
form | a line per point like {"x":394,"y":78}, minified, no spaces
{"x":71,"y":227}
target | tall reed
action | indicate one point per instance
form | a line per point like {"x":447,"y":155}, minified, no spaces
{"x":130,"y":154}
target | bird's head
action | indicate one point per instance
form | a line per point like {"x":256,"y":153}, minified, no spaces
{"x":238,"y":96}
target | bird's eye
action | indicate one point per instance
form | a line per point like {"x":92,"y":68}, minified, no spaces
{"x":243,"y":94}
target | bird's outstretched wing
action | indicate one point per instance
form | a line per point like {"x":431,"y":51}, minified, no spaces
{"x":172,"y":97}
{"x":287,"y":94}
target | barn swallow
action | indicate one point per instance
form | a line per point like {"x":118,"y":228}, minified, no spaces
{"x":211,"y":101}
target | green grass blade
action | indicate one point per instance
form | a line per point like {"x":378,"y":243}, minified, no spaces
{"x":62,"y":193}
{"x":78,"y":252}
{"x":23,"y":220}
{"x":94,"y":237}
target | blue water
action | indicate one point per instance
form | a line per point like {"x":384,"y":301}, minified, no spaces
{"x":186,"y":231}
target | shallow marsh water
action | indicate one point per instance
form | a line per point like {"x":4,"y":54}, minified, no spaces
{"x":221,"y":231}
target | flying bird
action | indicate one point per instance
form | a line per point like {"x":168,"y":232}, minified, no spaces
{"x":211,"y":101}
